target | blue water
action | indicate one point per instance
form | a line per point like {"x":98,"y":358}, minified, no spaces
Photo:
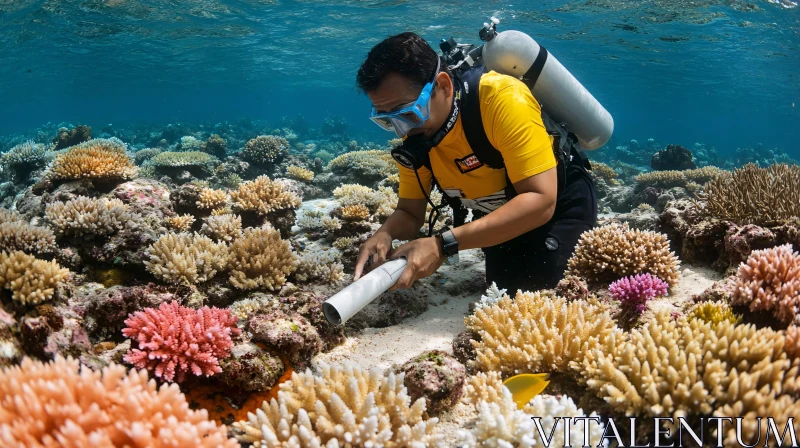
{"x":723,"y":73}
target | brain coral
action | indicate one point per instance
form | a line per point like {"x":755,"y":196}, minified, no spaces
{"x":60,"y":404}
{"x":614,"y":251}
{"x":95,"y":159}
{"x":770,"y":281}
{"x":174,"y":340}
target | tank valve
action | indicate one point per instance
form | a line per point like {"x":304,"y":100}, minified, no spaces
{"x":489,"y":30}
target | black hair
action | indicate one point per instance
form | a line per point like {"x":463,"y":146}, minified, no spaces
{"x":406,"y":54}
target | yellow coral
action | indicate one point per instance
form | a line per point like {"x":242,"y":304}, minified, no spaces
{"x":605,"y":172}
{"x":186,"y":258}
{"x":614,"y":251}
{"x":19,"y":235}
{"x":263,"y":195}
{"x":358,"y":212}
{"x":300,"y":173}
{"x":181,"y":223}
{"x":94,"y":159}
{"x":30,"y":280}
{"x":537,"y":333}
{"x":211,"y":199}
{"x":344,"y":404}
{"x":260,"y":258}
{"x":713,"y":313}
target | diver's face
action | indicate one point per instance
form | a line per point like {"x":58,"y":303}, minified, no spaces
{"x":396,"y":91}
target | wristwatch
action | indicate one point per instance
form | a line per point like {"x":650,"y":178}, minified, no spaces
{"x":449,"y":243}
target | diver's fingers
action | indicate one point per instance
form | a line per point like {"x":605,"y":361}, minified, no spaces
{"x":363,"y":256}
{"x":380,"y":254}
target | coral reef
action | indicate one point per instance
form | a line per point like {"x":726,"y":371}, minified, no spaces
{"x":250,"y":368}
{"x":572,"y":287}
{"x":261,"y":259}
{"x":263,"y":196}
{"x":29,"y":279}
{"x":300,"y":173}
{"x":216,"y":146}
{"x":102,"y":159}
{"x":614,"y":251}
{"x":265,"y":150}
{"x":435,"y":376}
{"x":713,"y":312}
{"x":84,"y":215}
{"x":173,"y":340}
{"x":289,"y":333}
{"x":320,"y":265}
{"x":770,"y":281}
{"x":70,"y":137}
{"x":364,"y":167}
{"x":60,"y":403}
{"x":186,"y":258}
{"x":634,"y":291}
{"x":222,"y":228}
{"x":345,"y":402}
{"x":357,"y":212}
{"x":602,"y":171}
{"x":19,"y":235}
{"x":181,"y":223}
{"x":20,"y":161}
{"x":673,"y":157}
{"x":212,"y":199}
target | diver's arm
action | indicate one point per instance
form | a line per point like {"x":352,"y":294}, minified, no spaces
{"x":532,"y":207}
{"x":406,"y":220}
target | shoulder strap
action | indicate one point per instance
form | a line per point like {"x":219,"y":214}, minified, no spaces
{"x":471,"y":119}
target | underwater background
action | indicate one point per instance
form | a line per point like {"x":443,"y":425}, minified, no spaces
{"x":723,"y":73}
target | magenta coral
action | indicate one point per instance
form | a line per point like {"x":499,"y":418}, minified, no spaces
{"x":634,"y":291}
{"x":174,"y":339}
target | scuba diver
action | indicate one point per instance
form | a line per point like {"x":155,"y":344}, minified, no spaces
{"x":481,"y":137}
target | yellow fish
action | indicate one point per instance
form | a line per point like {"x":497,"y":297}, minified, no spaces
{"x":525,"y":386}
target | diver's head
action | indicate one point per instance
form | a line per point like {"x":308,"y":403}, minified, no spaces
{"x":409,"y":85}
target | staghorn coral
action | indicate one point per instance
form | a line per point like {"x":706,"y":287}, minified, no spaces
{"x":260,"y":258}
{"x":666,"y":179}
{"x":343,"y":404}
{"x":265,"y":149}
{"x":173,"y":340}
{"x":537,"y":333}
{"x":223,"y":227}
{"x":30,"y":280}
{"x":181,"y":223}
{"x":770,"y":281}
{"x":262,"y":195}
{"x":483,"y":386}
{"x":614,"y":251}
{"x":19,"y":235}
{"x":320,"y":265}
{"x":60,"y":403}
{"x":84,"y":215}
{"x":782,"y":409}
{"x":95,"y":159}
{"x":356,"y":212}
{"x":702,"y":175}
{"x":555,"y":412}
{"x":754,"y":195}
{"x":300,"y":173}
{"x":713,"y":313}
{"x":185,"y":258}
{"x":171,"y":159}
{"x":634,"y":291}
{"x":211,"y":199}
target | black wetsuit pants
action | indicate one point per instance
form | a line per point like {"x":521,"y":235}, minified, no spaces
{"x":538,"y":259}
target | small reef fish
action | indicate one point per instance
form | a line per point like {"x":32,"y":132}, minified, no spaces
{"x":525,"y":386}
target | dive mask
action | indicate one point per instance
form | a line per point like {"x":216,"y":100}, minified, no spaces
{"x":411,"y":115}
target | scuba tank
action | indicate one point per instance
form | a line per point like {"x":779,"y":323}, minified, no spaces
{"x":562,"y":97}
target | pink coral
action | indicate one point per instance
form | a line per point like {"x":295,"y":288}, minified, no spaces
{"x":61,"y":404}
{"x":174,"y":339}
{"x":770,"y":281}
{"x":636,"y":290}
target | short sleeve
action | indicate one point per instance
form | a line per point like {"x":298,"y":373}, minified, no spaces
{"x":513,"y":121}
{"x":409,"y":185}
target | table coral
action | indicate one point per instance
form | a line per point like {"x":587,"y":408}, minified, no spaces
{"x":770,"y":281}
{"x":174,"y":340}
{"x":260,"y":258}
{"x":30,"y":280}
{"x":95,"y":159}
{"x":344,"y":404}
{"x":614,"y":251}
{"x":59,"y":403}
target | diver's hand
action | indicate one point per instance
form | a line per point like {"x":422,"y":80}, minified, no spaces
{"x":423,"y":257}
{"x":378,"y":246}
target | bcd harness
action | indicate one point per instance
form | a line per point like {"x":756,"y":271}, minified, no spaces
{"x":565,"y":143}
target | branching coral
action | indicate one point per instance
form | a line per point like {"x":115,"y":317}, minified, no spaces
{"x":181,"y":159}
{"x":174,"y":340}
{"x":300,"y":173}
{"x":186,"y":258}
{"x":670,"y":178}
{"x":376,"y":162}
{"x":319,"y":265}
{"x":713,"y":313}
{"x":84,"y":215}
{"x":19,"y":235}
{"x":212,"y":199}
{"x":605,"y":172}
{"x":96,"y":159}
{"x":59,"y":404}
{"x":260,"y":258}
{"x":262,"y":195}
{"x":355,"y":194}
{"x":316,"y":220}
{"x":614,"y":251}
{"x":30,"y":280}
{"x":344,"y":404}
{"x":223,"y":228}
{"x":181,"y":223}
{"x":22,"y":159}
{"x":770,"y":281}
{"x":537,"y":333}
{"x":356,"y":212}
{"x":7,"y":215}
{"x":634,"y":291}
{"x":265,"y":149}
{"x":753,"y":195}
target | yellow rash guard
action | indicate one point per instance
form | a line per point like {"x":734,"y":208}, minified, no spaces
{"x":512,"y":119}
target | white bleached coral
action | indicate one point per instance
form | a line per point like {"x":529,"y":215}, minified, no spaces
{"x":84,"y":215}
{"x":343,"y":404}
{"x":320,"y":265}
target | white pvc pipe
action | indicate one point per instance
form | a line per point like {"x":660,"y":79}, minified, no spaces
{"x":349,"y":301}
